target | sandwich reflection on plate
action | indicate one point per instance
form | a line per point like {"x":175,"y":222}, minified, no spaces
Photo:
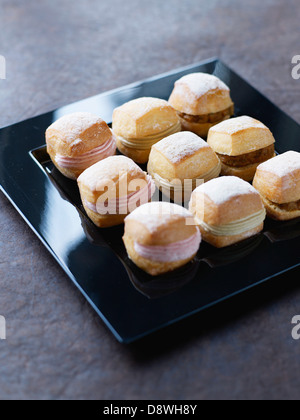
{"x":283,"y":231}
{"x":151,"y":287}
{"x":108,"y":238}
{"x":67,"y":188}
{"x":164,"y":285}
{"x":156,"y":287}
{"x":233,"y":253}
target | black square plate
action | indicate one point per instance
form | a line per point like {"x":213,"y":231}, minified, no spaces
{"x":131,"y":303}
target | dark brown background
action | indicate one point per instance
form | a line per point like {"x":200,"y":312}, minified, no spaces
{"x":61,"y":51}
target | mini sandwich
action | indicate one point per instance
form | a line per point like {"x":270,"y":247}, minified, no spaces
{"x":241,"y":144}
{"x":227,"y":210}
{"x":179,"y":163}
{"x":141,"y":123}
{"x":161,"y":237}
{"x":278,"y":182}
{"x":77,"y":141}
{"x":112,"y":188}
{"x":201,"y":100}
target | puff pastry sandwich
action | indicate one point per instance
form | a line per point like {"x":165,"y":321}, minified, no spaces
{"x":161,"y":237}
{"x":201,"y":100}
{"x":112,"y":188}
{"x":77,"y":141}
{"x":241,"y":144}
{"x":179,"y":163}
{"x":141,"y":123}
{"x":227,"y":210}
{"x":278,"y":182}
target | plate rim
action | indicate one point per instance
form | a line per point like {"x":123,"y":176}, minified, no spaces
{"x":66,"y":269}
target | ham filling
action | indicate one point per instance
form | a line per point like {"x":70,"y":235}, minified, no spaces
{"x":88,"y":159}
{"x":126,"y":204}
{"x":177,"y":251}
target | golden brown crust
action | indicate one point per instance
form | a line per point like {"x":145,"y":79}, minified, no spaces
{"x":143,"y":117}
{"x":161,"y":224}
{"x":181,"y":164}
{"x":140,"y":123}
{"x":76,"y":134}
{"x":245,"y":172}
{"x":116,"y":173}
{"x":227,"y":212}
{"x":188,"y":97}
{"x":173,"y":231}
{"x":138,"y":156}
{"x":151,"y":267}
{"x":239,"y":136}
{"x":278,"y":189}
{"x":180,"y":158}
{"x":279,"y":212}
{"x":104,"y":221}
{"x":201,"y":129}
{"x":223,"y":241}
{"x":94,"y":180}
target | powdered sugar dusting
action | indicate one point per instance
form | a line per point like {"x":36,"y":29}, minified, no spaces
{"x":234,"y":125}
{"x":282,"y":165}
{"x":201,"y":83}
{"x":180,"y":145}
{"x":141,"y":106}
{"x":156,"y":214}
{"x":223,"y":189}
{"x":73,"y":125}
{"x":108,"y":169}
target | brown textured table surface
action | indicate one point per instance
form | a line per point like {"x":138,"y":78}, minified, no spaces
{"x":58,"y":52}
